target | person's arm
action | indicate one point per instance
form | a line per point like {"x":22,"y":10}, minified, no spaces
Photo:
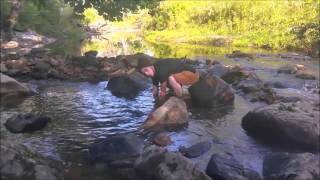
{"x":155,"y":91}
{"x":176,"y":86}
{"x":163,"y":88}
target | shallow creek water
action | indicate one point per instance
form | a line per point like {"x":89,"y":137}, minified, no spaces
{"x":84,"y":113}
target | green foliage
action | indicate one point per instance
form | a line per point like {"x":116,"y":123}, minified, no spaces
{"x":4,"y":12}
{"x":91,"y":16}
{"x":271,"y":24}
{"x":111,"y":9}
{"x":51,"y":18}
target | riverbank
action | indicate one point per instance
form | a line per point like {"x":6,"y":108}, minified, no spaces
{"x":286,"y":25}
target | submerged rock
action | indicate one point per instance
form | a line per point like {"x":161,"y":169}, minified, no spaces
{"x":171,"y":114}
{"x":224,"y":166}
{"x":26,"y":123}
{"x":118,"y":150}
{"x":195,"y":150}
{"x":162,"y":139}
{"x":295,"y":125}
{"x":291,"y":166}
{"x":158,"y":163}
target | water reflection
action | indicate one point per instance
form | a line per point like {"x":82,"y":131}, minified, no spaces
{"x":123,"y":43}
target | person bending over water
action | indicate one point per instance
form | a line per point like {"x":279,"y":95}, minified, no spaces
{"x":172,"y":74}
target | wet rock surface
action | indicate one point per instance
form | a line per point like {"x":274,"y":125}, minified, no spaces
{"x":256,"y":90}
{"x":128,"y":86}
{"x":118,"y":150}
{"x":224,"y":166}
{"x":11,"y":86}
{"x":291,"y":166}
{"x":18,"y":162}
{"x":12,"y":92}
{"x":211,"y":91}
{"x":230,"y":74}
{"x":296,"y":124}
{"x":172,"y":114}
{"x":195,"y":150}
{"x":162,"y":139}
{"x":158,"y":163}
{"x":305,"y":75}
{"x":26,"y":123}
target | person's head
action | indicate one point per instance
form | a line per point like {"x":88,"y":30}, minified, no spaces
{"x":146,"y":67}
{"x":148,"y":71}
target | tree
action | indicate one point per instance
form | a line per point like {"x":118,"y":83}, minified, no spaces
{"x":111,"y":9}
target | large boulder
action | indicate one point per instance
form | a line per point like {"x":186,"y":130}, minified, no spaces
{"x":224,"y":166}
{"x":26,"y":123}
{"x":12,"y":92}
{"x":290,"y":166}
{"x":296,"y":124}
{"x":129,"y":85}
{"x":211,"y":91}
{"x":171,"y":114}
{"x":118,"y":150}
{"x":158,"y":163}
{"x":18,"y":162}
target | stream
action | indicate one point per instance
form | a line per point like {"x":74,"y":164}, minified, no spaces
{"x":84,"y":113}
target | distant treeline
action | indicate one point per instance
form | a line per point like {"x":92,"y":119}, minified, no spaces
{"x":269,"y":24}
{"x":274,"y":24}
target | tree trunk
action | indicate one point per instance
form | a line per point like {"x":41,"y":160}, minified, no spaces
{"x":15,"y":9}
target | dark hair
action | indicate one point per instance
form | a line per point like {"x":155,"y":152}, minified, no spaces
{"x":144,"y":63}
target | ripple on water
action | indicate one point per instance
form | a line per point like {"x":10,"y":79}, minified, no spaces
{"x":82,"y":113}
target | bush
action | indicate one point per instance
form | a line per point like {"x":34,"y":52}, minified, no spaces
{"x":273,"y":24}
